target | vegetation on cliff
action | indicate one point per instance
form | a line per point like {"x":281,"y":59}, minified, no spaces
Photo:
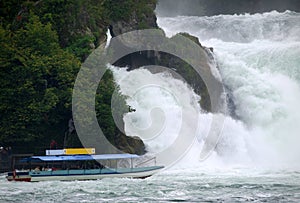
{"x":43,"y":44}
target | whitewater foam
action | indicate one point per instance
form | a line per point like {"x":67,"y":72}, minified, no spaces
{"x":237,"y":28}
{"x":258,"y":58}
{"x":259,"y":61}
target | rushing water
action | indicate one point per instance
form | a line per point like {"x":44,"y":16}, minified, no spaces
{"x":259,"y":61}
{"x":175,"y":186}
{"x":258,"y":156}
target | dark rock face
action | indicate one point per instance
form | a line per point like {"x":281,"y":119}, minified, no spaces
{"x":135,"y":22}
{"x":132,"y":144}
{"x":143,"y":58}
{"x":176,"y":65}
{"x":78,"y":24}
{"x":128,"y":144}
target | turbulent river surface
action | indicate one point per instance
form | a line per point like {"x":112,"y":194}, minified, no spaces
{"x":176,"y":186}
{"x":258,"y":155}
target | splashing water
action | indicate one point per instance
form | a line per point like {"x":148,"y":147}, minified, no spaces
{"x":258,"y":58}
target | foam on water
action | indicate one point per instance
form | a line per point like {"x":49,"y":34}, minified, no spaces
{"x":259,"y":61}
{"x":259,"y":64}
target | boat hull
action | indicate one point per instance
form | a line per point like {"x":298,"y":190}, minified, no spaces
{"x":93,"y":174}
{"x":18,"y":176}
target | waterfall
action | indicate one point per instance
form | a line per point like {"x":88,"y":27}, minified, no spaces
{"x":258,"y":59}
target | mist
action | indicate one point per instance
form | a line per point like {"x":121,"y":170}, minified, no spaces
{"x":216,"y":7}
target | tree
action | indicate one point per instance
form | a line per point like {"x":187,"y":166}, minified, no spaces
{"x":36,"y":83}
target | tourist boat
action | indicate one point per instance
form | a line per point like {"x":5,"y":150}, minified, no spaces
{"x":77,"y":167}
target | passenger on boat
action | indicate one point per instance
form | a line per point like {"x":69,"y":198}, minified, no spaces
{"x":53,"y":144}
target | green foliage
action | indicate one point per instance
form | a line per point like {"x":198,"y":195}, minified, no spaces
{"x":81,"y":46}
{"x":106,"y":89}
{"x":42,"y":45}
{"x":119,"y":9}
{"x":103,"y":107}
{"x":109,"y":102}
{"x":37,"y":77}
{"x":37,"y":38}
{"x":122,"y":10}
{"x":9,"y":10}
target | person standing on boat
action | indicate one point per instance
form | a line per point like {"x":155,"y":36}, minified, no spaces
{"x":53,"y":144}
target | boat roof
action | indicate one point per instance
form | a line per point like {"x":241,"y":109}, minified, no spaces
{"x":80,"y":157}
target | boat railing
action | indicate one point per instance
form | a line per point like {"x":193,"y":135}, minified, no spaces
{"x":146,"y":161}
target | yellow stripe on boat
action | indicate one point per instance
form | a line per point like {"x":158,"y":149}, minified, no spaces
{"x":70,"y":151}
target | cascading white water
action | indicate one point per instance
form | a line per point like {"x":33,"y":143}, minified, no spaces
{"x":158,"y":100}
{"x":259,"y":61}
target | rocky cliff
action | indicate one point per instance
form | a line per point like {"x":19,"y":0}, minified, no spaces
{"x":45,"y":41}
